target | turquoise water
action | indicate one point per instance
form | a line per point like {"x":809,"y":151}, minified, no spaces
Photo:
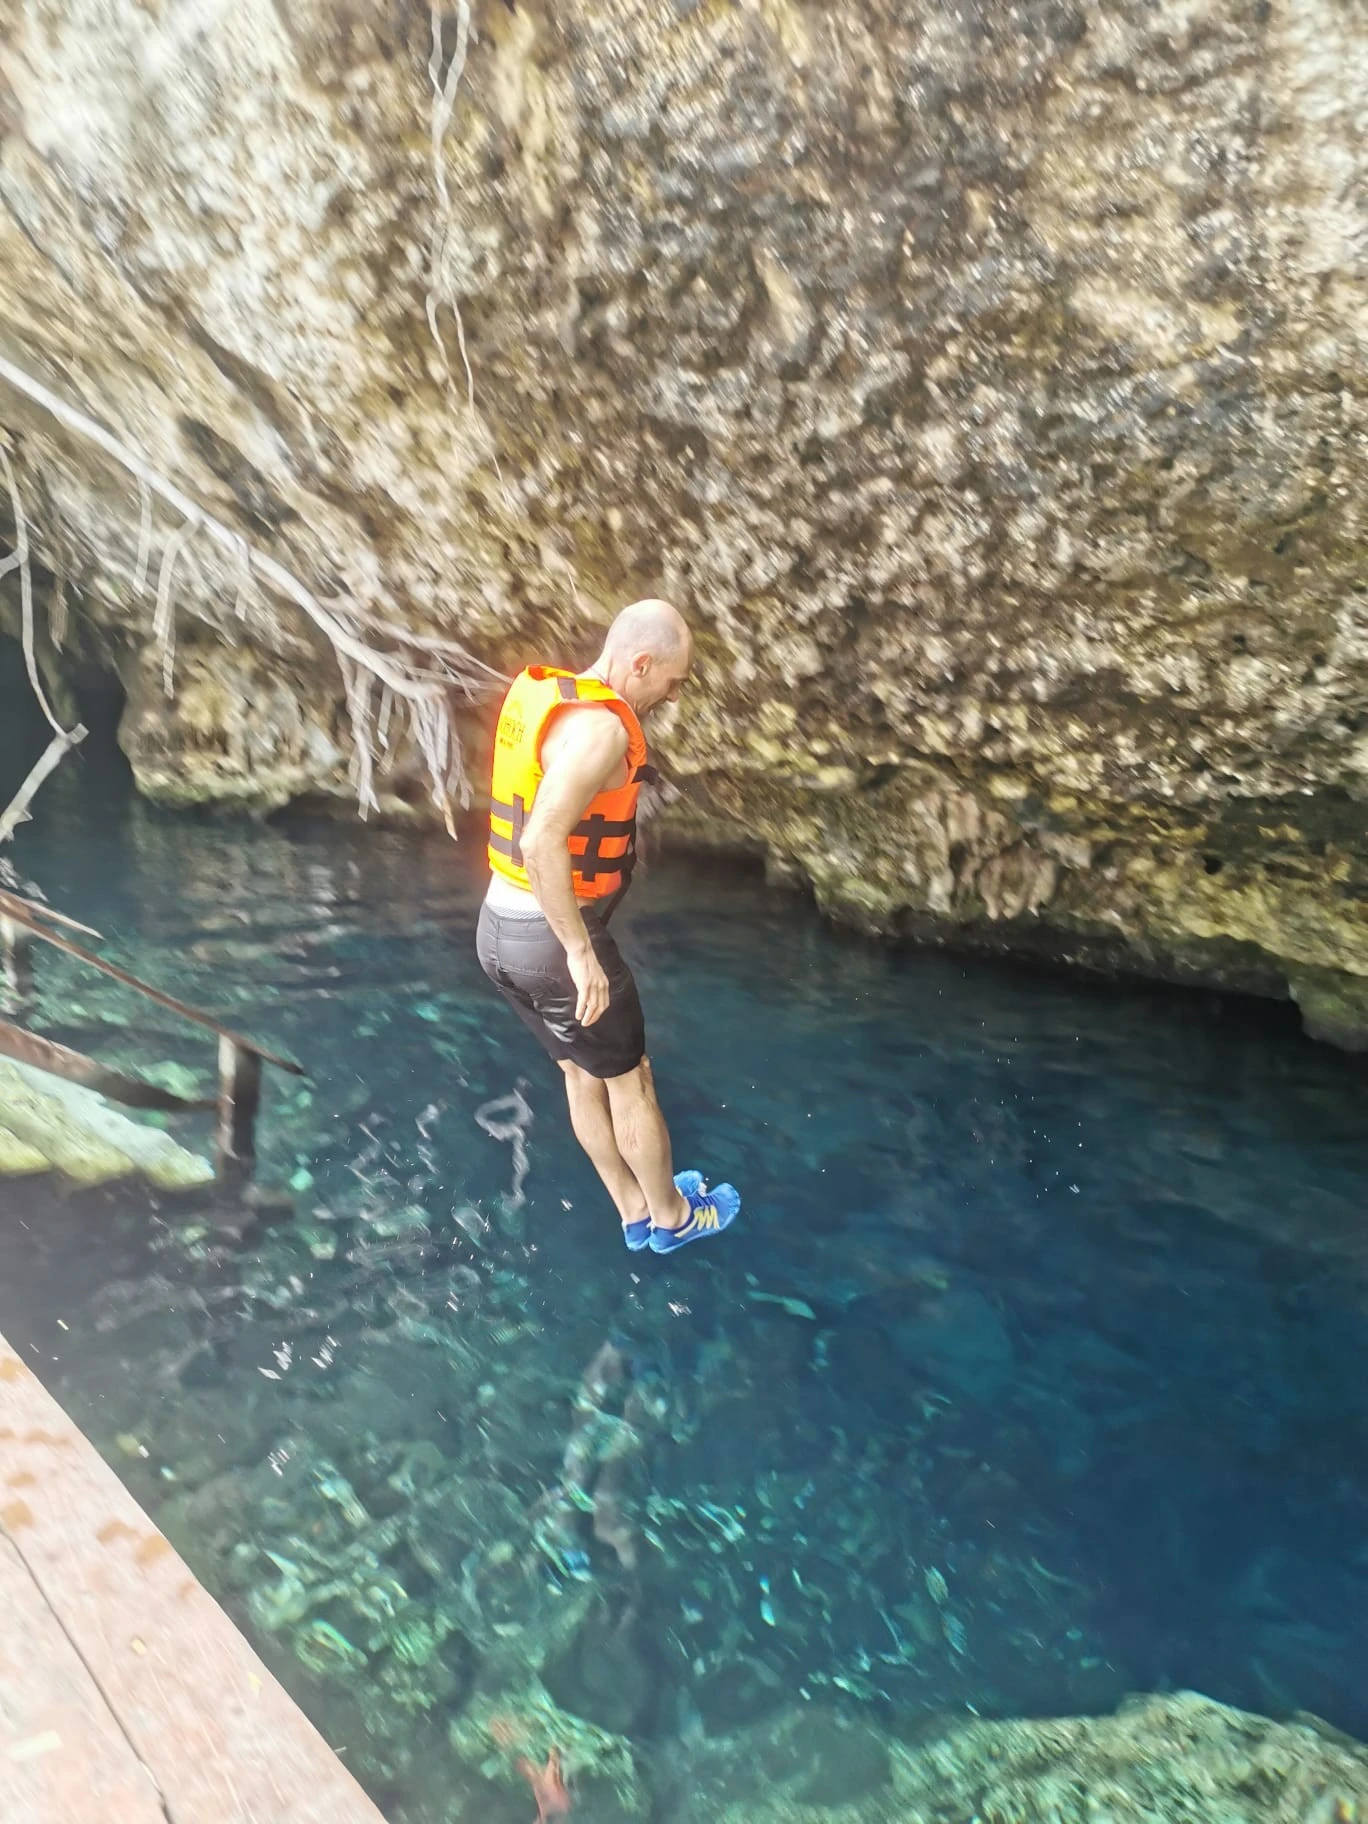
{"x":1033,"y":1376}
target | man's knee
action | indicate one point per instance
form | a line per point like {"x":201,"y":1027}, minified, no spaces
{"x":637,"y":1083}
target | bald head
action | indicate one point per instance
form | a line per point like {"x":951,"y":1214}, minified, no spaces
{"x":647,"y":654}
{"x":652,"y":627}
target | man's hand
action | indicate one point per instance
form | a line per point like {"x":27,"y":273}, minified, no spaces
{"x":586,"y":973}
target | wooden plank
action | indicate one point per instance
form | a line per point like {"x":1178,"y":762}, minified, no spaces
{"x":74,"y":1067}
{"x":17,"y":909}
{"x":239,"y":1100}
{"x":63,"y":1757}
{"x":222,"y":1740}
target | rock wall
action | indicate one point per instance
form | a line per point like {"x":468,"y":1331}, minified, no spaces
{"x":989,"y":384}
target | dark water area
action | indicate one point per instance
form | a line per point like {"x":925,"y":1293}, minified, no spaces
{"x":1032,"y":1376}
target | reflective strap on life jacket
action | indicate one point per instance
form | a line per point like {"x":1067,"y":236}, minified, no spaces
{"x":592,"y":861}
{"x":516,"y":815}
{"x":593,"y":831}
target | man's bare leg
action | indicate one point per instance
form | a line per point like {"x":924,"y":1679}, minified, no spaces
{"x":592,"y":1120}
{"x":643,"y":1142}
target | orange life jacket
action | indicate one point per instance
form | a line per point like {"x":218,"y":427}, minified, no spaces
{"x":603,"y":843}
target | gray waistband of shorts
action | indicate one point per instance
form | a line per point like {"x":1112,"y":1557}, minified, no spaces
{"x":520,"y":915}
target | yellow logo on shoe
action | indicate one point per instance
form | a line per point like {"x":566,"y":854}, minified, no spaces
{"x":706,"y":1217}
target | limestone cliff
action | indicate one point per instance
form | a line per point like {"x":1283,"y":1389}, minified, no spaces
{"x":988,"y":382}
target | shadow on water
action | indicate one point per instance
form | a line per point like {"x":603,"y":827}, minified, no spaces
{"x":1032,"y":1377}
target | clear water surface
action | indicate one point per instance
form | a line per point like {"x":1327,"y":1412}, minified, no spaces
{"x":1032,"y":1377}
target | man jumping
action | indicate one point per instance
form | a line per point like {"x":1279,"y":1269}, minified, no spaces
{"x":569,"y":764}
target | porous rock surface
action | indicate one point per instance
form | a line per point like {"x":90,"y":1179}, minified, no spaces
{"x":46,"y":1123}
{"x":1182,"y":1759}
{"x":987,"y":382}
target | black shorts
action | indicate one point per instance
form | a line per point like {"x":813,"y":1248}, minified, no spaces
{"x":523,"y":958}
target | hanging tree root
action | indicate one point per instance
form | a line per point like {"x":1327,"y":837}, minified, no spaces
{"x":444,"y":87}
{"x":164,"y":620}
{"x":63,"y":739}
{"x":17,"y":811}
{"x":421,"y":674}
{"x":19,"y":561}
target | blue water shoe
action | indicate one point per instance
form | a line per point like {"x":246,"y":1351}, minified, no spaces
{"x":709,"y":1213}
{"x":637,"y":1235}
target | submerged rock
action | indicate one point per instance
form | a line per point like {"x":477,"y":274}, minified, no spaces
{"x":18,"y":1159}
{"x":326,"y":1651}
{"x":957,"y":1340}
{"x":603,"y":1676}
{"x":497,"y":1733}
{"x":1183,"y":1759}
{"x":52,"y":1124}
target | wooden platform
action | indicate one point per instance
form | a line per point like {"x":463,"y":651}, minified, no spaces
{"x":126,"y":1694}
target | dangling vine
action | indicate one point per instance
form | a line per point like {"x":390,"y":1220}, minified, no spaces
{"x":63,"y":739}
{"x":444,"y":87}
{"x":419,"y":672}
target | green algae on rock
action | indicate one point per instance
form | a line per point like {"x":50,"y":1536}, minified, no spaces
{"x":75,"y":1132}
{"x":1334,"y":1006}
{"x":1182,"y":1759}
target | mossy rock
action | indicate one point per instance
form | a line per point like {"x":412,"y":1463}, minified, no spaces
{"x":18,"y":1159}
{"x":78,"y":1134}
{"x":1334,"y":1006}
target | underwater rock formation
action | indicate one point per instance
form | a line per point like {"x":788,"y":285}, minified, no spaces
{"x":1180,"y":1758}
{"x":988,"y":385}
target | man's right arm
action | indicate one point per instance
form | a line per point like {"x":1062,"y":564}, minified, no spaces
{"x":590,"y":747}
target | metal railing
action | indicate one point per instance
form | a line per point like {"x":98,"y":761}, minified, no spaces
{"x":239,"y":1059}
